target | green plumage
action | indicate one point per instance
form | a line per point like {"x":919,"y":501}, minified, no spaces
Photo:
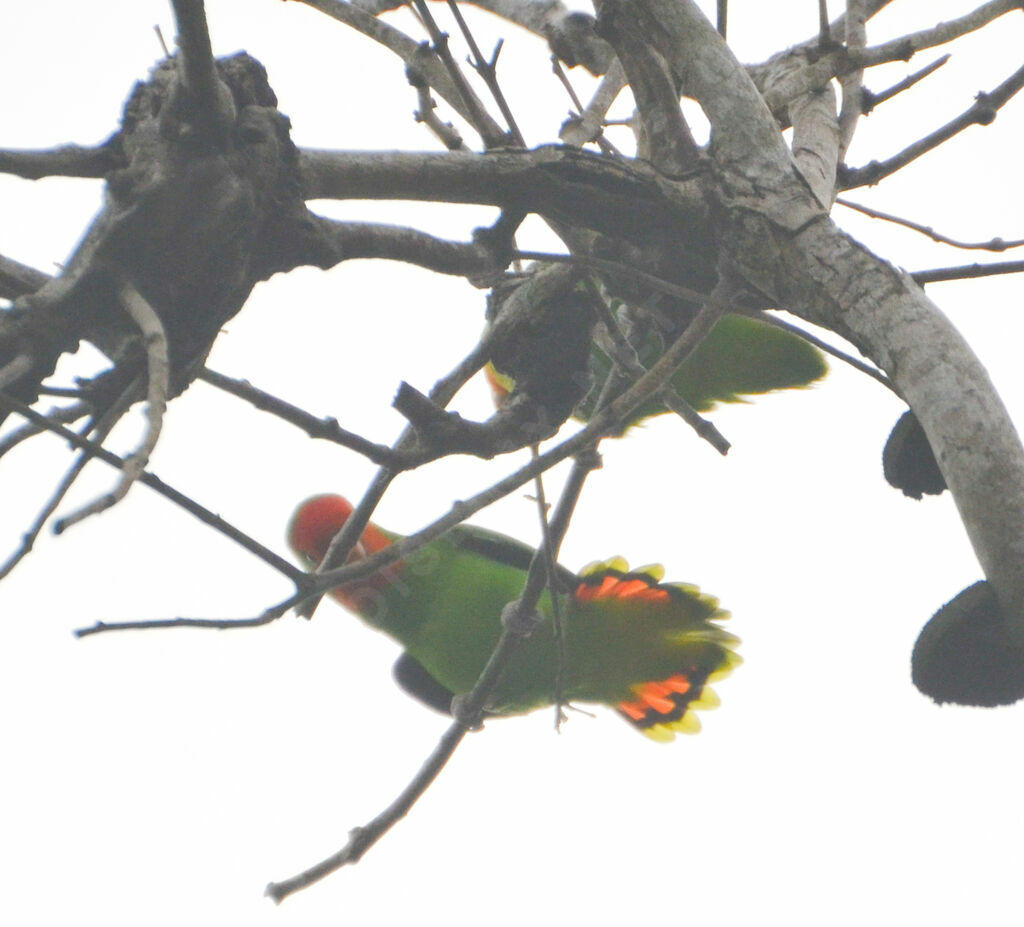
{"x":623,"y":629}
{"x":740,"y":357}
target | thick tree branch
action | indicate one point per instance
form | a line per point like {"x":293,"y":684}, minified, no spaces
{"x":811,"y":268}
{"x":353,"y":240}
{"x":16,"y":278}
{"x":579,"y":188}
{"x":201,"y":101}
{"x":666,"y":140}
{"x":65,"y":161}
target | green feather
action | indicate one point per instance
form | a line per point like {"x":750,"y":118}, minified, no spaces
{"x":740,"y":357}
{"x":625,"y":630}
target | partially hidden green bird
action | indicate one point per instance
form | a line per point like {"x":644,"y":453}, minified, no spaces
{"x":740,"y":357}
{"x":647,"y":648}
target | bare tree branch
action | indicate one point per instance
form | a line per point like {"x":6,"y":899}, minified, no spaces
{"x":967,"y":272}
{"x":202,"y":101}
{"x":158,"y":379}
{"x":17,"y":278}
{"x":993,"y":244}
{"x":816,"y":73}
{"x":155,"y":483}
{"x":666,"y":139}
{"x":580,"y":188}
{"x":852,"y":82}
{"x":589,"y":125}
{"x":415,"y":55}
{"x":870,"y":100}
{"x":794,"y":256}
{"x":65,"y":161}
{"x":982,"y":112}
{"x":326,"y":429}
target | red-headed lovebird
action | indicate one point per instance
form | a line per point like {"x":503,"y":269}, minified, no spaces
{"x":644,"y":647}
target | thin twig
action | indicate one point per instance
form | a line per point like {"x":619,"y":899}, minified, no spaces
{"x":846,"y":358}
{"x":160,"y":38}
{"x":29,"y":538}
{"x":488,"y":70}
{"x":517,"y":620}
{"x":345,"y":540}
{"x":416,"y":55}
{"x":557,"y":618}
{"x":622,"y":354}
{"x":216,"y":624}
{"x":485,"y":126}
{"x":293,"y":573}
{"x":869,"y":99}
{"x":64,"y":414}
{"x":982,"y":112}
{"x":576,"y":116}
{"x":326,"y":429}
{"x":993,"y":244}
{"x":968,"y":271}
{"x":427,"y":113}
{"x":658,"y":284}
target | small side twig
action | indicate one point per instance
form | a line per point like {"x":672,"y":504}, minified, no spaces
{"x":96,"y":431}
{"x":993,"y":244}
{"x":486,"y":127}
{"x":488,"y":71}
{"x":968,"y":271}
{"x":326,"y":429}
{"x":982,"y":112}
{"x":426,"y":112}
{"x":869,"y":99}
{"x":574,"y":116}
{"x":623,"y":355}
{"x":216,"y":624}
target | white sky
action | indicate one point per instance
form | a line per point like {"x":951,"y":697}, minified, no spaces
{"x":165,"y":777}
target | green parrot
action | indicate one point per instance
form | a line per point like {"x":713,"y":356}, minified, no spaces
{"x":740,"y":357}
{"x":647,"y":648}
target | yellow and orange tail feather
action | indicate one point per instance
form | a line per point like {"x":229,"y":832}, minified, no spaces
{"x":501,"y":385}
{"x":666,"y":707}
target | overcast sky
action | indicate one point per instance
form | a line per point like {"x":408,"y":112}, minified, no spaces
{"x":166,"y":777}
